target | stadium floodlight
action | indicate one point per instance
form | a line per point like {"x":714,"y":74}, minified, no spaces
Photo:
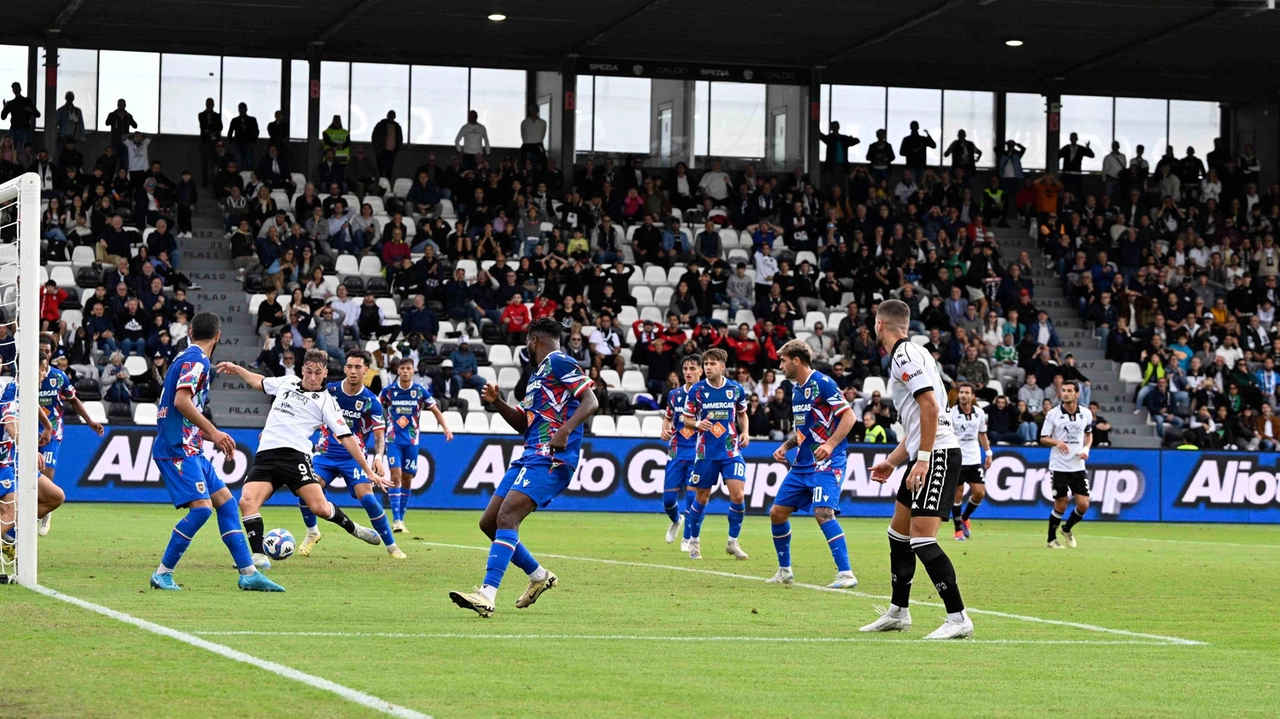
{"x":20,"y":301}
{"x":1013,"y":43}
{"x":497,"y":17}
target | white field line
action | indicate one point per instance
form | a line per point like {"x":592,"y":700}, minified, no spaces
{"x":649,"y":638}
{"x":351,"y":695}
{"x":820,"y":588}
{"x":1183,"y":541}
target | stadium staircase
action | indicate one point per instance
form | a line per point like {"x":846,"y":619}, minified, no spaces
{"x":206,"y":260}
{"x":1114,"y":397}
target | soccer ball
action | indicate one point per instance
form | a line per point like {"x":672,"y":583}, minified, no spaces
{"x":278,"y":544}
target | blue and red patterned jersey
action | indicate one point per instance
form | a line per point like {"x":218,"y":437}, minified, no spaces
{"x":363,"y":413}
{"x":8,"y":447}
{"x":404,"y":410}
{"x":55,"y":390}
{"x":176,"y":436}
{"x":816,"y":407}
{"x":722,"y":406}
{"x":683,"y":440}
{"x":550,"y":399}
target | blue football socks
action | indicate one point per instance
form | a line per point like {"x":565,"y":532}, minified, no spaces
{"x":688,"y":503}
{"x":504,"y":546}
{"x":308,"y":517}
{"x":377,"y":517}
{"x":523,"y":559}
{"x":737,"y":511}
{"x":233,"y":536}
{"x":695,"y":519}
{"x":835,"y":540}
{"x":671,"y":504}
{"x":183,"y":533}
{"x":782,"y":544}
{"x":393,"y":499}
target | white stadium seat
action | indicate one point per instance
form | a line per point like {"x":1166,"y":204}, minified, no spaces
{"x":673,"y":276}
{"x":145,"y":413}
{"x":477,"y":423}
{"x":376,"y":203}
{"x":488,"y":374}
{"x":995,"y":385}
{"x":371,"y":266}
{"x":508,"y":377}
{"x":611,"y":379}
{"x":651,"y":313}
{"x":745,"y":316}
{"x":813,"y":318}
{"x":453,"y":420}
{"x":136,"y":365}
{"x":642,"y":294}
{"x":471,"y":397}
{"x":628,"y":426}
{"x":468,"y":268}
{"x":499,"y":355}
{"x":603,"y":426}
{"x":835,"y":318}
{"x":390,"y":310}
{"x":651,"y":426}
{"x":498,"y":425}
{"x":728,"y":237}
{"x":626,"y":316}
{"x":662,"y":297}
{"x":655,"y":276}
{"x":1131,"y":372}
{"x":873,"y":384}
{"x":64,"y":276}
{"x":96,"y":411}
{"x":82,"y":256}
{"x":429,"y":423}
{"x":73,"y":318}
{"x":401,"y":187}
{"x":633,"y":381}
{"x":346,"y":265}
{"x":803,"y":255}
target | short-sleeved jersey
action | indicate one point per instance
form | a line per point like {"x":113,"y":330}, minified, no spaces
{"x":8,"y":447}
{"x":967,"y":428}
{"x":721,"y":405}
{"x":403,"y":408}
{"x":1070,"y":428}
{"x":176,"y":436}
{"x":550,"y":399}
{"x":683,"y":440}
{"x":55,"y":390}
{"x":816,"y":407}
{"x":363,"y":413}
{"x":913,"y":372}
{"x":296,"y":414}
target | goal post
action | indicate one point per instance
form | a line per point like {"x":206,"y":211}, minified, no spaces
{"x":20,"y":299}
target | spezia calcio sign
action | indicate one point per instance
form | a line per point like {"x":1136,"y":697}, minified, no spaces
{"x":625,"y":475}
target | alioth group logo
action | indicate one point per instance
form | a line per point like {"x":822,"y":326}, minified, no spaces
{"x":1227,"y":481}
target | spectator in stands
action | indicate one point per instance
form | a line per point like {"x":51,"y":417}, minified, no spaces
{"x":362,"y":174}
{"x":472,"y":140}
{"x":1031,"y":392}
{"x":273,"y":171}
{"x":577,"y":349}
{"x":715,"y":183}
{"x":964,"y":154}
{"x":757,"y":417}
{"x":328,"y":329}
{"x":868,"y":431}
{"x":1002,"y":422}
{"x":465,"y":367}
{"x":387,"y":139}
{"x":330,"y":171}
{"x":270,"y":314}
{"x":779,"y":413}
{"x":235,"y":207}
{"x":1267,"y":429}
{"x":1006,"y":369}
{"x":822,"y":345}
{"x":372,"y":321}
{"x":116,"y":384}
{"x":515,"y":320}
{"x":132,"y":325}
{"x":662,"y":361}
{"x":646,"y":243}
{"x":113,"y":242}
{"x":606,"y":345}
{"x":101,"y":329}
{"x":914,"y":149}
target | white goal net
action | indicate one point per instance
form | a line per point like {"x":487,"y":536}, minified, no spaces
{"x":21,"y":277}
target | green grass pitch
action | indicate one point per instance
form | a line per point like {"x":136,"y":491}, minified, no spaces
{"x":635,"y":636}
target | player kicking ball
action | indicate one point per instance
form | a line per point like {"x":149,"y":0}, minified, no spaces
{"x":822,"y":421}
{"x":403,"y":402}
{"x":363,"y":413}
{"x":680,"y":455}
{"x":299,"y":408}
{"x":925,"y":496}
{"x":717,"y":408}
{"x":557,"y":401}
{"x":1068,"y":428}
{"x":178,"y":452}
{"x":970,"y":424}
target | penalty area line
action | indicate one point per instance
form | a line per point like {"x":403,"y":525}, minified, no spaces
{"x":652,"y":638}
{"x":820,"y":588}
{"x":351,"y":695}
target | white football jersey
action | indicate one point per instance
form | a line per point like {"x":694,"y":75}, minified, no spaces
{"x":912,"y":372}
{"x":1070,"y":428}
{"x":967,"y":428}
{"x":296,"y":414}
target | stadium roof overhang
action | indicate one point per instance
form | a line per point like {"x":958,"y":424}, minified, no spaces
{"x":1210,"y":49}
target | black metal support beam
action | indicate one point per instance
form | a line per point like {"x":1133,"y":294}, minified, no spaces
{"x":356,"y":10}
{"x":883,"y":34}
{"x":65,"y":16}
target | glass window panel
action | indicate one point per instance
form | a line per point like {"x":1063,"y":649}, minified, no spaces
{"x":299,"y":79}
{"x":975,"y":113}
{"x":498,"y":98}
{"x":1024,"y":122}
{"x":1089,"y":117}
{"x":860,"y":111}
{"x":13,"y":67}
{"x":1140,"y":121}
{"x":135,"y":78}
{"x":78,"y":73}
{"x":186,"y":81}
{"x":255,"y":81}
{"x":701,"y":112}
{"x":335,"y":93}
{"x":439,"y":104}
{"x":1193,"y":124}
{"x":622,"y":114}
{"x":738,"y":119}
{"x":376,"y":89}
{"x":584,"y":115}
{"x":907,"y":104}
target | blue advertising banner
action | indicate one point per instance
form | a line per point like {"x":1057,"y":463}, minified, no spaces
{"x":626,"y":475}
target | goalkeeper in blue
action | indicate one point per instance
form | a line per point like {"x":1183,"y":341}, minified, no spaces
{"x":403,"y":401}
{"x":187,"y":473}
{"x":822,"y":421}
{"x":557,"y":401}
